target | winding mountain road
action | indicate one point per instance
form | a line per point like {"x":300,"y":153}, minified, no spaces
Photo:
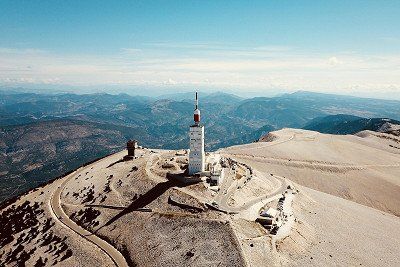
{"x":61,"y":217}
{"x":223,"y":203}
{"x":260,"y":145}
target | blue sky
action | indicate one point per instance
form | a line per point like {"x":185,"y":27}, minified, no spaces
{"x":261,"y":46}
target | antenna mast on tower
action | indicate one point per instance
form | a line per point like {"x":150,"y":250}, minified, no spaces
{"x":196,"y":113}
{"x":196,"y":101}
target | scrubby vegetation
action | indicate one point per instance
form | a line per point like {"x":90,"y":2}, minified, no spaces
{"x":27,"y":229}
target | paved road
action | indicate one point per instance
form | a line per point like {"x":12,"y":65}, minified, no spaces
{"x":310,"y":163}
{"x":224,"y":201}
{"x":58,"y":212}
{"x":278,"y":191}
{"x":230,"y":186}
{"x":260,"y":145}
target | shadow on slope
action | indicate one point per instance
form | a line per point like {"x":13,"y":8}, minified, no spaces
{"x":145,"y":199}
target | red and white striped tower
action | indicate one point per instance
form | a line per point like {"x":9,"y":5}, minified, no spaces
{"x":196,"y":135}
{"x":196,"y":113}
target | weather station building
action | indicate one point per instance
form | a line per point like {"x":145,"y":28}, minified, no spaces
{"x":196,"y":148}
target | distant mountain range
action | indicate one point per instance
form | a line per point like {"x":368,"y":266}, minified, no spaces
{"x":43,"y":135}
{"x":349,"y":124}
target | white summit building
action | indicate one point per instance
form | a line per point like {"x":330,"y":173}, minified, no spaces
{"x":196,"y":135}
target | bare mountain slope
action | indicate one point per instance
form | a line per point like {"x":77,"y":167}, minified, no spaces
{"x":362,"y":169}
{"x":331,"y":231}
{"x":117,"y":212}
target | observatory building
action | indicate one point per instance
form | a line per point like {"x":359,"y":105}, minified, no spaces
{"x":196,"y":135}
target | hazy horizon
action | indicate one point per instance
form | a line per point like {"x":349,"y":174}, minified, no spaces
{"x":157,"y":92}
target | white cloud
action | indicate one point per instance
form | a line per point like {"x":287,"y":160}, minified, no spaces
{"x":333,"y":61}
{"x":273,"y":48}
{"x":131,"y":50}
{"x":170,"y":82}
{"x":239,"y":68}
{"x":26,"y":51}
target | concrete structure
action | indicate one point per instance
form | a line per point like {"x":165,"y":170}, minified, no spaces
{"x":217,"y":174}
{"x":270,"y":212}
{"x":131,"y":145}
{"x":196,"y":135}
{"x":269,"y":219}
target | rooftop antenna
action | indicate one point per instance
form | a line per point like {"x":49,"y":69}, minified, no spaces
{"x":197,"y":101}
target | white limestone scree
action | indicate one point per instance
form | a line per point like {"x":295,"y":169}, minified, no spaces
{"x":196,"y":135}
